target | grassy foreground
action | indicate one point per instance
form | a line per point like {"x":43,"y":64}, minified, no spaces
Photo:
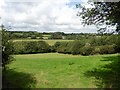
{"x":53,"y":70}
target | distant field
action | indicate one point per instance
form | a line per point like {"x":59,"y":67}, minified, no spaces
{"x":53,"y":70}
{"x":46,"y":36}
{"x":50,"y":42}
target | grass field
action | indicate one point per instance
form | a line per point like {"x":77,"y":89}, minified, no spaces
{"x":53,"y":70}
{"x":50,"y":42}
{"x":46,"y":36}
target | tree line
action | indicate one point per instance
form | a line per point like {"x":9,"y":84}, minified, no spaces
{"x":91,"y":46}
{"x":54,"y":35}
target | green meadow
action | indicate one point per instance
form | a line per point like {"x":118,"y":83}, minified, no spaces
{"x":53,"y":70}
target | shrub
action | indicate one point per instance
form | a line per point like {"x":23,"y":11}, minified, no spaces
{"x":76,"y":47}
{"x":86,"y":50}
{"x":22,"y":47}
{"x":62,"y":47}
{"x":52,"y":49}
{"x":107,"y":49}
{"x":117,"y":47}
{"x":19,"y":47}
{"x":6,"y":47}
{"x":69,"y":47}
{"x":57,"y":44}
{"x":96,"y":50}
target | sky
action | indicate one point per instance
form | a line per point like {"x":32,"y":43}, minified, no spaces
{"x":43,"y":16}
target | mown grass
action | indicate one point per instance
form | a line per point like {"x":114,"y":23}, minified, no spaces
{"x":53,"y":70}
{"x":50,"y":42}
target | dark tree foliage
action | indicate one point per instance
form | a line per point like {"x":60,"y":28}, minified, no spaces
{"x":7,"y":48}
{"x":101,"y":13}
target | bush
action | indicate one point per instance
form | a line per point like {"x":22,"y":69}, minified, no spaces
{"x":33,"y":37}
{"x":19,"y":47}
{"x":96,"y":50}
{"x":69,"y":47}
{"x":62,"y":47}
{"x":36,"y":47}
{"x":117,"y":47}
{"x":76,"y":47}
{"x":107,"y":49}
{"x":6,"y":47}
{"x":57,"y":44}
{"x":86,"y":50}
{"x":52,"y":49}
{"x":22,"y":47}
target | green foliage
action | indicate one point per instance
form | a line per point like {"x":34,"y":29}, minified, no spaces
{"x":36,"y":47}
{"x":52,"y":49}
{"x":19,"y":47}
{"x":99,"y":41}
{"x":96,"y":45}
{"x":57,"y":44}
{"x":89,"y":45}
{"x":86,"y":50}
{"x":102,"y":13}
{"x":95,"y":51}
{"x":107,"y":49}
{"x":7,"y":47}
{"x":22,"y":34}
{"x":33,"y":37}
{"x":75,"y":49}
{"x":56,"y":35}
{"x":69,"y":47}
{"x":118,"y":44}
{"x":62,"y":47}
{"x":22,"y":47}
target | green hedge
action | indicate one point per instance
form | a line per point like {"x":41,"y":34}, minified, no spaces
{"x":26,"y":47}
{"x":69,"y":47}
{"x":78,"y":47}
{"x":73,"y":47}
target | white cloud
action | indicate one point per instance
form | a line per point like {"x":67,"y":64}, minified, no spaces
{"x":46,"y":15}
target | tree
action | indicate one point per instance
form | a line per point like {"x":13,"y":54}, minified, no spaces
{"x":100,"y":13}
{"x":7,"y":48}
{"x":57,"y":35}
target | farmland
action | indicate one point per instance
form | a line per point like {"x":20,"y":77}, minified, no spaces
{"x":53,"y":70}
{"x":63,"y":61}
{"x":60,"y":44}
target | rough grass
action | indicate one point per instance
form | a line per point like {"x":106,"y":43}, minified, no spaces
{"x":53,"y":70}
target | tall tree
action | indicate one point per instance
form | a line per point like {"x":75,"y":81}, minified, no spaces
{"x":100,"y":13}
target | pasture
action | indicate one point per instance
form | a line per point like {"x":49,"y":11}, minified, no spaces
{"x":53,"y":70}
{"x":45,"y":36}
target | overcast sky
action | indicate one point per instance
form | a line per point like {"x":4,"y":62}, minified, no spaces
{"x":43,"y":16}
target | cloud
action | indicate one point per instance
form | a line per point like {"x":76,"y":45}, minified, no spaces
{"x":43,"y":16}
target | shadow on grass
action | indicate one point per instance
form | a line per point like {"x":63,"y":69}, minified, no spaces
{"x":107,"y":76}
{"x":14,"y":79}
